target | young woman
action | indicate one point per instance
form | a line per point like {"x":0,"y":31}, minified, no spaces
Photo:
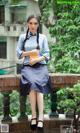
{"x":34,"y":70}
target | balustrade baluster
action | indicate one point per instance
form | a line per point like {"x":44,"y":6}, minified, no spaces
{"x":54,"y":112}
{"x":6,"y":107}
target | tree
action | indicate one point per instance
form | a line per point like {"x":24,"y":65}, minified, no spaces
{"x":65,"y":27}
{"x":48,"y":11}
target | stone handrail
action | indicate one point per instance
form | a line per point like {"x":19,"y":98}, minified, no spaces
{"x":11,"y":82}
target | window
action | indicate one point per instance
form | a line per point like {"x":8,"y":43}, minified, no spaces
{"x":18,"y":14}
{"x":2,"y":14}
{"x":8,"y":28}
{"x":3,"y":48}
{"x":14,"y":28}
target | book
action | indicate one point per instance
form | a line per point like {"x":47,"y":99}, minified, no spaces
{"x":34,"y":55}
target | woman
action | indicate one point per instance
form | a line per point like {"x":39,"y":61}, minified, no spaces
{"x":34,"y":71}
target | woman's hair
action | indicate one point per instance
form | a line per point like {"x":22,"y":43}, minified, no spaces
{"x":37,"y":39}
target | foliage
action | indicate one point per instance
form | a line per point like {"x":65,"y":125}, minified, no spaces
{"x":69,"y":98}
{"x":69,"y":101}
{"x":47,"y":11}
{"x":47,"y":104}
{"x":14,"y":103}
{"x":15,"y":1}
{"x":66,"y":50}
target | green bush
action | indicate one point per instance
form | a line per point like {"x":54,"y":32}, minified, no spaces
{"x":69,"y":100}
{"x":14,"y":103}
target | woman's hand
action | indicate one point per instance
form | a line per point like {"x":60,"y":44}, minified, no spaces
{"x":27,"y":53}
{"x":34,"y":51}
{"x":34,"y":61}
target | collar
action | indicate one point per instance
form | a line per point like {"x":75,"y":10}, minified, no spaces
{"x":30,"y":34}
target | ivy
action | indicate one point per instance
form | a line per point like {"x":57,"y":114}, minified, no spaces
{"x":66,"y":50}
{"x":15,"y":1}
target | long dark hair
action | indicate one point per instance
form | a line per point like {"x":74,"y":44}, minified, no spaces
{"x":37,"y":39}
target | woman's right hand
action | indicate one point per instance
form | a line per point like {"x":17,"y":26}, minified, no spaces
{"x":34,"y":51}
{"x":27,"y":53}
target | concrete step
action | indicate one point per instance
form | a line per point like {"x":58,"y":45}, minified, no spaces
{"x":51,"y":125}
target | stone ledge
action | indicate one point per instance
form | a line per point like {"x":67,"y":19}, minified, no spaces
{"x":50,"y":125}
{"x":11,"y":82}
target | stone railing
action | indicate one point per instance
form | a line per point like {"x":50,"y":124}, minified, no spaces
{"x":11,"y":30}
{"x":8,"y":83}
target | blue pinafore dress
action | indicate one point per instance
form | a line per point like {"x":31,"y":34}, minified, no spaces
{"x":34,"y":77}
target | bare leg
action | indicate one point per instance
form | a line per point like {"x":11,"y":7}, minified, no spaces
{"x":32,"y":97}
{"x":40,"y":104}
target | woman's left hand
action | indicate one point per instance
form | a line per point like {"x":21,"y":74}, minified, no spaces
{"x":34,"y":61}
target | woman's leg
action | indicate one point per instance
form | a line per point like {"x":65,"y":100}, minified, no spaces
{"x":40,"y":104}
{"x":32,"y":97}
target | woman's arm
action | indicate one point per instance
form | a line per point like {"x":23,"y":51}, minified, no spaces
{"x":19,"y":50}
{"x":27,"y":53}
{"x":24,"y":54}
{"x":45,"y":55}
{"x":45,"y":49}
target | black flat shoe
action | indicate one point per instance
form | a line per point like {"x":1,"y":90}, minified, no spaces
{"x":40,"y":128}
{"x":33,"y":126}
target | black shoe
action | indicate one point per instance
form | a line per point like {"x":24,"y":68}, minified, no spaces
{"x":39,"y":128}
{"x":33,"y":126}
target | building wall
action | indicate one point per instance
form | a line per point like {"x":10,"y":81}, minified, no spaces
{"x":12,"y":29}
{"x":32,"y":8}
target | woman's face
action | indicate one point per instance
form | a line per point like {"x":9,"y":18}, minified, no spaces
{"x":33,"y":25}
